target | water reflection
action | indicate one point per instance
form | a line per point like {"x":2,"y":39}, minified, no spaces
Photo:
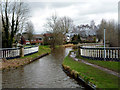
{"x":43,"y":73}
{"x":58,"y":53}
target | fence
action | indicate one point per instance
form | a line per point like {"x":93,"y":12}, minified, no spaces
{"x":101,"y":53}
{"x":29,"y":50}
{"x":10,"y":53}
{"x":92,"y":44}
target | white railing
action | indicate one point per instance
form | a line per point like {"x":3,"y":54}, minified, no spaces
{"x":108,"y":53}
{"x":10,"y":53}
{"x":29,"y":50}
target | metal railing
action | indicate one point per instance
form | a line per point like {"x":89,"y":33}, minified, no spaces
{"x":101,"y":53}
{"x":30,"y":50}
{"x":10,"y":53}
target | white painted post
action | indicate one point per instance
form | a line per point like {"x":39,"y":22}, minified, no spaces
{"x":21,"y":51}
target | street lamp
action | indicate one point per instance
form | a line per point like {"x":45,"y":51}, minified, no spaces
{"x":104,"y":45}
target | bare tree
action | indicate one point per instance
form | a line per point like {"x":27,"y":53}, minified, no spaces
{"x":5,"y":23}
{"x":0,"y":32}
{"x":111,"y":32}
{"x":58,"y":27}
{"x":100,"y":32}
{"x":29,"y":30}
{"x":66,"y":24}
{"x":52,"y":25}
{"x":13,"y":14}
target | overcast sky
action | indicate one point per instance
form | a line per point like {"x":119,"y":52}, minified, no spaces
{"x":81,"y":11}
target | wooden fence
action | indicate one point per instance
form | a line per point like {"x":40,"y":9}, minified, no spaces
{"x":100,"y":53}
{"x":10,"y":53}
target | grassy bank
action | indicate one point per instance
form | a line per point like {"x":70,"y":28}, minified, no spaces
{"x":14,"y":63}
{"x":100,"y":78}
{"x":112,"y":65}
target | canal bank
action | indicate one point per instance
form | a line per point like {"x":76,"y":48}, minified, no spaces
{"x":75,"y":75}
{"x":18,"y":62}
{"x":92,"y":76}
{"x":45,"y":72}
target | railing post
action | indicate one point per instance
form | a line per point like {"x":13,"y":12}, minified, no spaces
{"x":21,"y":51}
{"x":118,"y":53}
{"x":79,"y":51}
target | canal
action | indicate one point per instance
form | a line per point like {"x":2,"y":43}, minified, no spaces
{"x":43,"y":73}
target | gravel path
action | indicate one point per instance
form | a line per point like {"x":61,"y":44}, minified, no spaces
{"x":73,"y":55}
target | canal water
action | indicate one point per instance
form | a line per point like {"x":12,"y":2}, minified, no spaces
{"x":43,"y":73}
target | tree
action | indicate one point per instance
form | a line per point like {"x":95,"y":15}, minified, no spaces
{"x":0,"y":32}
{"x":111,"y":30}
{"x":58,"y":27}
{"x":5,"y":24}
{"x":52,"y":25}
{"x":29,"y":30}
{"x":13,"y":15}
{"x":66,"y":24}
{"x":119,"y":35}
{"x":76,"y":39}
{"x":100,"y":32}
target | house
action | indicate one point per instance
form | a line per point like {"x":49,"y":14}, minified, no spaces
{"x":36,"y":39}
{"x":69,"y":36}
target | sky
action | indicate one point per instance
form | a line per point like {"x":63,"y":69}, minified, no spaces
{"x":80,"y":11}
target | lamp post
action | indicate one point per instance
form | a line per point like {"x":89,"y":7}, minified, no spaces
{"x":104,"y":45}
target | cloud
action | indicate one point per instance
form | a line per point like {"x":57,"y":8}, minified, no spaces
{"x":82,"y":12}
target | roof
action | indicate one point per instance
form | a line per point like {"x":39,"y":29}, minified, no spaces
{"x":47,"y":34}
{"x":38,"y":41}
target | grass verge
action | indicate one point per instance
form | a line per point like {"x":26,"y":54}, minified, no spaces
{"x":14,"y":63}
{"x":112,"y":65}
{"x":100,"y":78}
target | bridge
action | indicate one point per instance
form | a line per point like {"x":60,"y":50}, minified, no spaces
{"x":100,"y":53}
{"x":10,"y":53}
